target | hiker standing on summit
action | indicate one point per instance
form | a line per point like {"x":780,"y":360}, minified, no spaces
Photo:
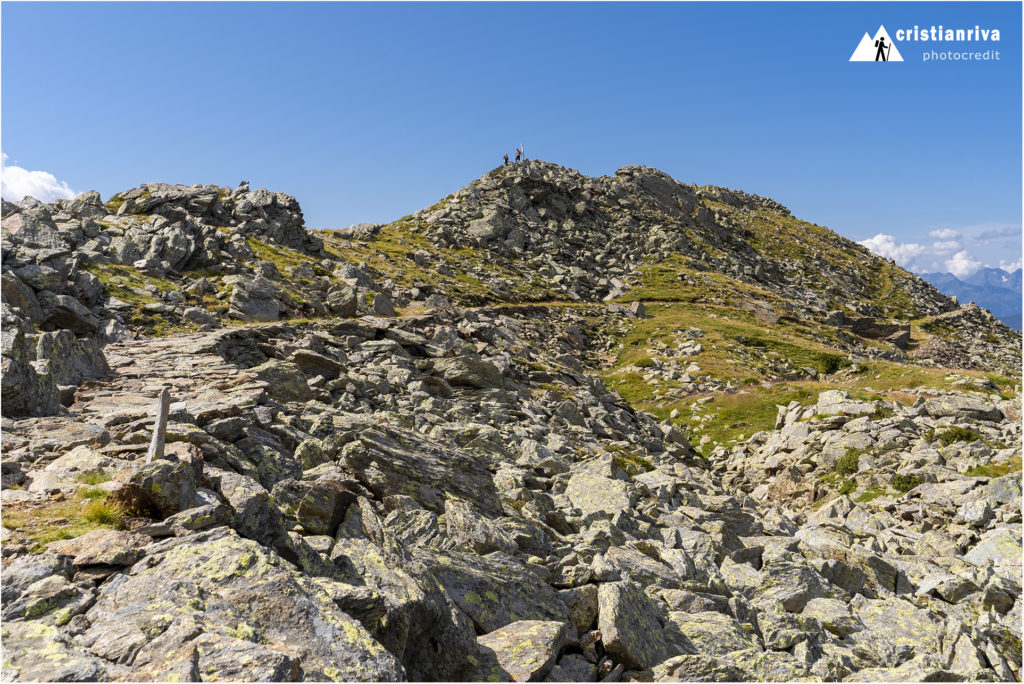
{"x":506,"y":159}
{"x":519,"y":155}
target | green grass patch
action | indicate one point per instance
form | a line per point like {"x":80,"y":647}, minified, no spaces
{"x":94,"y":478}
{"x":870,"y":494}
{"x":67,"y":519}
{"x":848,"y":487}
{"x":997,"y":469}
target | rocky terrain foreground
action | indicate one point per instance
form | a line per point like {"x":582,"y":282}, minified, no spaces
{"x":552,"y":428}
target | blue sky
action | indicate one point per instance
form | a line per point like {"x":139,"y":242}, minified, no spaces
{"x":367,"y":112}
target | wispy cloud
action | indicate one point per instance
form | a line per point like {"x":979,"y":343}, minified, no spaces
{"x":945,"y":234}
{"x":998,"y":233}
{"x":17,"y":183}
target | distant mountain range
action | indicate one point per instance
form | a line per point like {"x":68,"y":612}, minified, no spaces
{"x":993,"y":288}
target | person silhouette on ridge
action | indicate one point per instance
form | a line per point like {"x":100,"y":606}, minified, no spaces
{"x":506,"y":159}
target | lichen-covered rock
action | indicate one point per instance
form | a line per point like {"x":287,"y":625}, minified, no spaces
{"x":468,"y":370}
{"x":28,"y":389}
{"x":285,"y":380}
{"x":101,"y":547}
{"x":70,"y":359}
{"x":895,"y":630}
{"x":319,"y":506}
{"x":163,"y":486}
{"x":237,"y":589}
{"x":28,"y":569}
{"x":961,"y":407}
{"x":713,"y":633}
{"x":37,"y":652}
{"x":53,"y":600}
{"x":494,"y":590}
{"x":524,"y":651}
{"x":391,"y":462}
{"x":632,"y":628}
{"x":253,"y":300}
{"x":590,"y":492}
{"x":468,"y":528}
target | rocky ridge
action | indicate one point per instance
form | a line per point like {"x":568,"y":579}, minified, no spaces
{"x":462,"y":492}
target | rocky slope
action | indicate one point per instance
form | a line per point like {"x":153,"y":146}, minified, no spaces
{"x":621,"y":429}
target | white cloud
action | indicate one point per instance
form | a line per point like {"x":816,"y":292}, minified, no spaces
{"x":1010,"y":266}
{"x":17,"y":183}
{"x":945,"y":234}
{"x":962,"y":264}
{"x":900,"y":252}
{"x":946,"y":247}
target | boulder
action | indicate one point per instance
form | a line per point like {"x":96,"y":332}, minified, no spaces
{"x":962,"y":408}
{"x":590,"y":493}
{"x":524,"y":651}
{"x":68,"y":313}
{"x":231,"y":586}
{"x":469,"y":370}
{"x":285,"y":380}
{"x":101,"y":547}
{"x":319,"y":506}
{"x":162,"y":487}
{"x":383,"y":306}
{"x":631,"y":626}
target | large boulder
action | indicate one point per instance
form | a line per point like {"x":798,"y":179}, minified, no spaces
{"x":388,"y":461}
{"x":272,"y":620}
{"x":35,"y":228}
{"x":469,"y":370}
{"x":468,"y":528}
{"x":253,"y":300}
{"x":28,"y":389}
{"x":590,"y":492}
{"x":631,"y":626}
{"x":70,"y":359}
{"x":319,"y":506}
{"x":161,"y":488}
{"x":68,"y":313}
{"x":524,"y":651}
{"x":101,"y":547}
{"x":285,"y":380}
{"x":962,"y":408}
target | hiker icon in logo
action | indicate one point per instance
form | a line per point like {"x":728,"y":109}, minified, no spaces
{"x":882,"y":55}
{"x":881,"y":48}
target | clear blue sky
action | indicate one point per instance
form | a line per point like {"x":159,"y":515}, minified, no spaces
{"x":366,"y":112}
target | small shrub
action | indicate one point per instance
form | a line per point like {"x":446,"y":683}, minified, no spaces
{"x":848,"y":486}
{"x":849,"y":463}
{"x":957,"y":434}
{"x":103,"y":513}
{"x":904,"y":483}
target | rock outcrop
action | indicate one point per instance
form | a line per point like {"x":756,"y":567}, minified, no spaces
{"x":426,"y":474}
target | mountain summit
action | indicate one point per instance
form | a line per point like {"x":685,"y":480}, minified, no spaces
{"x":552,"y":427}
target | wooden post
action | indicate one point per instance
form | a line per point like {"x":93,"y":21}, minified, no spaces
{"x":156,"y":447}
